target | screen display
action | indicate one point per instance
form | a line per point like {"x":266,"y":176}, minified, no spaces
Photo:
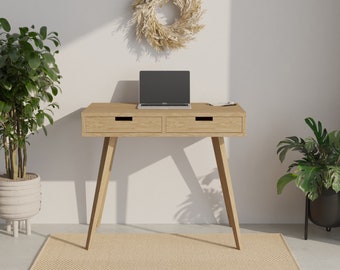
{"x":164,"y":87}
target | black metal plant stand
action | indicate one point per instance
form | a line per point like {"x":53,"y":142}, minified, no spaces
{"x":323,"y":223}
{"x":306,"y":218}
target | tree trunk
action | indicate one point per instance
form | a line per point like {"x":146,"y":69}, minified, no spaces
{"x":7,"y":159}
{"x":24,"y":167}
{"x":14,"y":164}
{"x":19,"y":162}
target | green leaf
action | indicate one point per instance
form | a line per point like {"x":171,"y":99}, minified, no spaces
{"x":34,"y":60}
{"x":35,"y":103}
{"x":28,"y":110}
{"x":38,"y":43}
{"x":310,"y":144}
{"x":319,"y":132}
{"x":283,"y":181}
{"x":51,"y":73}
{"x":334,"y":173}
{"x":13,"y":54}
{"x":7,"y":85}
{"x":43,"y":32}
{"x":23,"y":30}
{"x":4,"y":24}
{"x":55,"y":41}
{"x":45,"y":130}
{"x":334,"y":140}
{"x":32,"y":34}
{"x":33,"y":125}
{"x":3,"y":61}
{"x":49,"y":97}
{"x":54,"y":90}
{"x":12,"y":38}
{"x":53,"y":34}
{"x":47,"y":48}
{"x":4,"y":107}
{"x":26,"y":46}
{"x":290,"y":143}
{"x":31,"y":88}
{"x":54,"y":105}
{"x":309,"y":179}
{"x":49,"y":117}
{"x":40,"y":118}
{"x":49,"y":58}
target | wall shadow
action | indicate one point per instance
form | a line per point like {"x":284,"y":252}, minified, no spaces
{"x":208,"y":200}
{"x":64,"y":155}
{"x":204,"y":203}
{"x":127,"y":91}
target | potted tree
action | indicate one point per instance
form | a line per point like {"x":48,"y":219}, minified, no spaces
{"x":317,"y":173}
{"x":29,"y":81}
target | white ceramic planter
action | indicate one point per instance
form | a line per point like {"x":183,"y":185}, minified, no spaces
{"x":19,"y":201}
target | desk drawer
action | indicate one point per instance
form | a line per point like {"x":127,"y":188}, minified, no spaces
{"x":118,"y":124}
{"x":206,"y":124}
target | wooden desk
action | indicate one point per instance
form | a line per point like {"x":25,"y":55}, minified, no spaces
{"x":114,"y":120}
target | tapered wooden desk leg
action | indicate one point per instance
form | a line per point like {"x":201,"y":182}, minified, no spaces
{"x":227,"y":189}
{"x":101,"y":187}
{"x":112,"y":145}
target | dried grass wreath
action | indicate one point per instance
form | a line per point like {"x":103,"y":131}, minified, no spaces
{"x":163,"y":37}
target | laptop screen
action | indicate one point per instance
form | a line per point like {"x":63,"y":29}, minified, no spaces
{"x":164,"y":88}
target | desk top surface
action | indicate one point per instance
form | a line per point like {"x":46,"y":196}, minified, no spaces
{"x":112,"y":109}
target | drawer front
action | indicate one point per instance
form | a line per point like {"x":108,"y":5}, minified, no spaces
{"x":206,"y":124}
{"x":119,"y":124}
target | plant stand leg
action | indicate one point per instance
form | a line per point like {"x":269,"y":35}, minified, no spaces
{"x":21,"y":225}
{"x":306,"y":218}
{"x":8,"y":226}
{"x":15,"y":228}
{"x":28,"y":227}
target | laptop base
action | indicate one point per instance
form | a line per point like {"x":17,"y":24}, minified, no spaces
{"x":171,"y":107}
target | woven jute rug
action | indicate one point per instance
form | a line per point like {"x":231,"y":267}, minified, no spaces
{"x":158,"y":251}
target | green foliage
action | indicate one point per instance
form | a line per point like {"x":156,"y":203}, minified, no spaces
{"x":319,"y":167}
{"x":29,"y":82}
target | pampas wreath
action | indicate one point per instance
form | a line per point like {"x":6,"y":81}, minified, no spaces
{"x":163,"y":37}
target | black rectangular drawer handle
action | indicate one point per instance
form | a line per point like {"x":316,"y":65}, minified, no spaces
{"x":204,"y":118}
{"x":123,"y":118}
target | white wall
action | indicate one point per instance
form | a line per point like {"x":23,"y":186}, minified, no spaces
{"x":285,"y":66}
{"x":279,"y":59}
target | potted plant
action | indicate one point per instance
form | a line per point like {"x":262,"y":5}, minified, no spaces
{"x":29,"y":81}
{"x":317,"y":173}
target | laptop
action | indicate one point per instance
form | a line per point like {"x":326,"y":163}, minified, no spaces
{"x":164,"y":89}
